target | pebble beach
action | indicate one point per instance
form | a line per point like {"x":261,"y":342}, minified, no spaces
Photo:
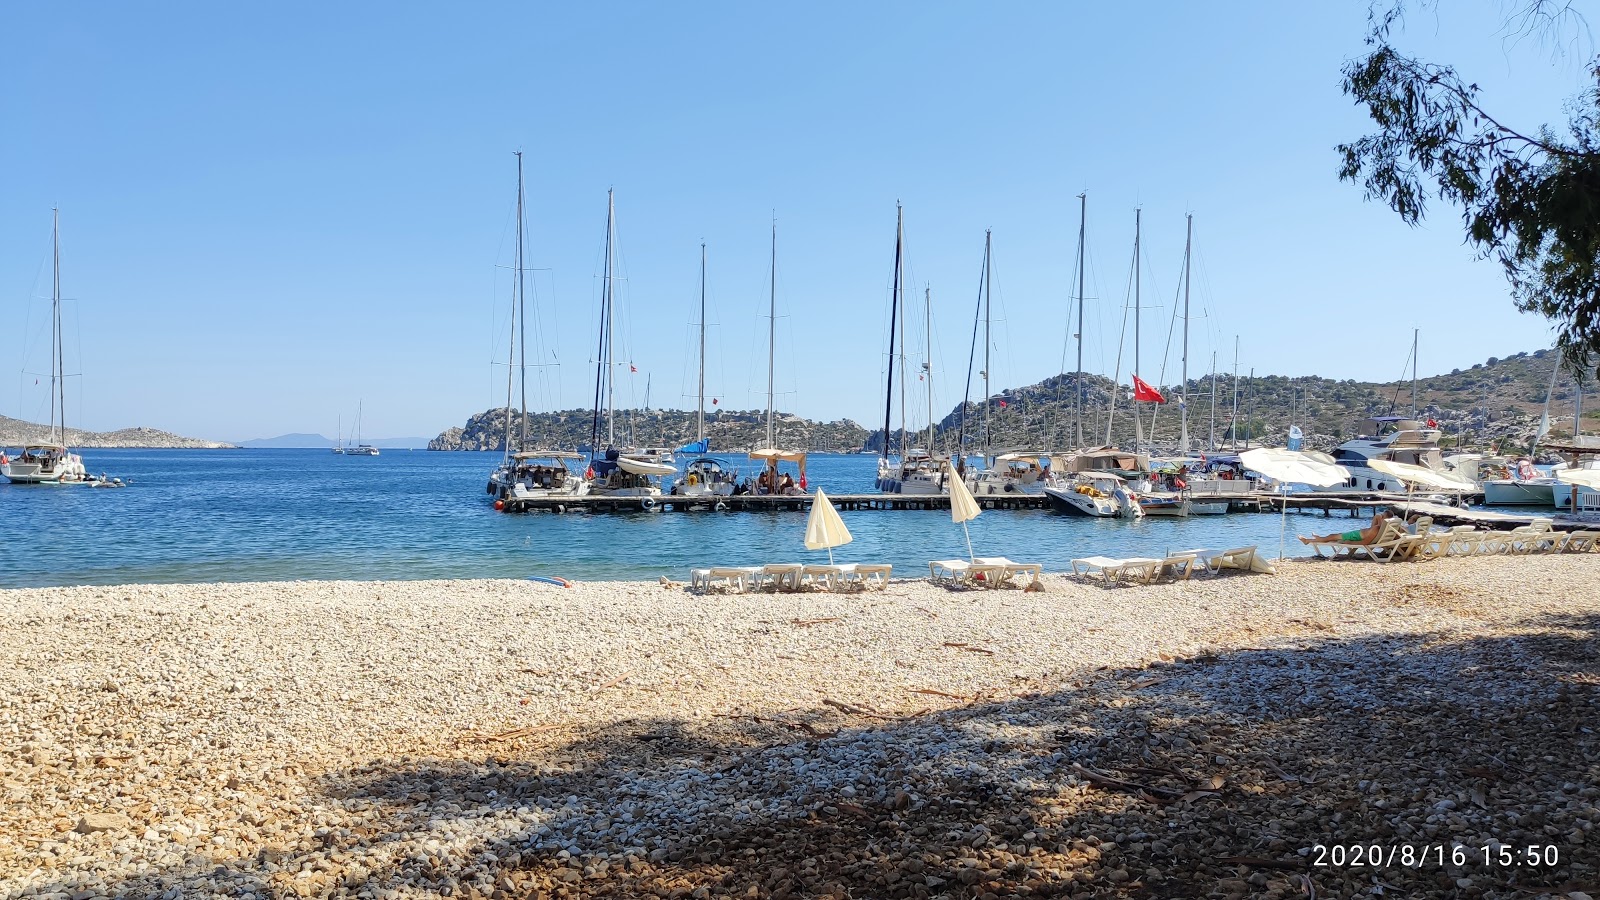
{"x":514,"y":739}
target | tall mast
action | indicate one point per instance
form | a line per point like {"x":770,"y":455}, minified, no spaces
{"x":927,"y":362}
{"x":611,"y":334}
{"x":1414,"y":333}
{"x":1211,"y":441}
{"x":988,"y":309}
{"x":899,"y":240}
{"x":1183,"y":408}
{"x":58,"y":372}
{"x":522,"y":309}
{"x":516,"y":317}
{"x":772,"y":331}
{"x":894,"y":312}
{"x":972,"y":355}
{"x":1077,"y":380}
{"x":700,"y":417}
{"x":1233,"y":430}
{"x":1138,"y":426}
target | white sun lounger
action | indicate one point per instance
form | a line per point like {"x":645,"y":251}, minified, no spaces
{"x":736,"y":578}
{"x":783,"y":576}
{"x":1581,"y":542}
{"x":832,"y":578}
{"x":874,"y":575}
{"x":999,"y":570}
{"x":952,"y":571}
{"x":1138,"y":568}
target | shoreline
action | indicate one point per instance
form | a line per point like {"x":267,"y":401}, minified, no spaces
{"x":317,"y":738}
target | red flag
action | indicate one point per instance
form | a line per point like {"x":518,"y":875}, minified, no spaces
{"x":1144,"y":393}
{"x":632,"y":367}
{"x":1002,"y":404}
{"x":589,"y":474}
{"x":713,"y":401}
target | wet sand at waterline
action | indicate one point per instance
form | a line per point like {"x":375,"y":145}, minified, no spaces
{"x":509,"y":738}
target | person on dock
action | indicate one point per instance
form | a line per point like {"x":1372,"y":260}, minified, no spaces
{"x":1365,"y":536}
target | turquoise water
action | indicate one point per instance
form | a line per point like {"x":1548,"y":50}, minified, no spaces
{"x":276,"y":515}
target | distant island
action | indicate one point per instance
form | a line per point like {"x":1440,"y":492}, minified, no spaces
{"x":303,"y":441}
{"x":726,"y":429}
{"x":16,"y":433}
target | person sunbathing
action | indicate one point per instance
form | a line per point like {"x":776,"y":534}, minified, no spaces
{"x":1366,"y":535}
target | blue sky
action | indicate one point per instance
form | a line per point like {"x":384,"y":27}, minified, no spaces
{"x":272,"y":212}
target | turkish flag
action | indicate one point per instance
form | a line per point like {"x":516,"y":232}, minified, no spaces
{"x":1002,"y":404}
{"x":632,"y":367}
{"x":1144,"y":393}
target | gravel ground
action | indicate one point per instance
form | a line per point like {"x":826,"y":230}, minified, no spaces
{"x":511,"y":739}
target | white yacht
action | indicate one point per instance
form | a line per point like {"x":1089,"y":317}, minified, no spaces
{"x":1096,"y":483}
{"x":706,"y":477}
{"x":1524,"y":485}
{"x":917,"y":472}
{"x":623,"y":474}
{"x":1018,"y":472}
{"x":1392,"y":438}
{"x":50,"y":463}
{"x":532,"y":474}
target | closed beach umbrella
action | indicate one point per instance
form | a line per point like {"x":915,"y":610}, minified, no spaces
{"x":1292,"y":467}
{"x":963,"y":508}
{"x":824,"y":529}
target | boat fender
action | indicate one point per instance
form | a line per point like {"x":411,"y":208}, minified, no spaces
{"x":720,"y":506}
{"x":693,"y":479}
{"x":561,"y":508}
{"x":648,"y":503}
{"x":500,"y":505}
{"x":550,"y":579}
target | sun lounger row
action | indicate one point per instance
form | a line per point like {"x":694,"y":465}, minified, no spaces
{"x":1178,"y":566}
{"x":790,"y":577}
{"x":982,"y":571}
{"x":1395,"y":543}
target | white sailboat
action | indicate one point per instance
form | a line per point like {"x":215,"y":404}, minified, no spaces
{"x":771,"y":479}
{"x":917,"y":471}
{"x":51,"y":462}
{"x":706,"y":476}
{"x":526,"y":472}
{"x":359,"y":448}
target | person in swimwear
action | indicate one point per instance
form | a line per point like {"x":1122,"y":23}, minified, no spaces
{"x":1365,"y":536}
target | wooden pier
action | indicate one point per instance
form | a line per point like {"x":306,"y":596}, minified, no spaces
{"x":610,"y":503}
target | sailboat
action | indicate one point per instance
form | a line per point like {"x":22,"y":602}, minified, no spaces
{"x":771,"y":480}
{"x":614,"y":471}
{"x":359,"y":448}
{"x":917,"y":471}
{"x":525,"y":472}
{"x":1091,"y":481}
{"x":1525,"y":485}
{"x":52,"y":462}
{"x":338,"y":438}
{"x":1176,"y":502}
{"x":706,"y":476}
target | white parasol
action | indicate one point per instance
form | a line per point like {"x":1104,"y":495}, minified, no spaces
{"x":963,"y":508}
{"x":1292,"y":467}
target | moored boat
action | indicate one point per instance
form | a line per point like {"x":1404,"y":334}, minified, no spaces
{"x":51,"y":462}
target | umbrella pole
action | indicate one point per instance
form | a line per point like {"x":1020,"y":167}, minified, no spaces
{"x":968,"y":533}
{"x":1283,"y":526}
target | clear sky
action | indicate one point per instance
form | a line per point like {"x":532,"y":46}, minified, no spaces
{"x":272,"y":212}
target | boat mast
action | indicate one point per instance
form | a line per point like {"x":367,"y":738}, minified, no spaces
{"x":1233,"y":430}
{"x":1077,"y":379}
{"x":772,"y":331}
{"x":900,"y":291}
{"x":58,"y":372}
{"x":972,"y":355}
{"x":1183,"y":407}
{"x":1414,"y":333}
{"x":989,"y":300}
{"x":1211,"y":441}
{"x":522,"y":309}
{"x":1138,"y":425}
{"x":894,"y":312}
{"x":700,"y":417}
{"x":927,"y":363}
{"x":611,"y":334}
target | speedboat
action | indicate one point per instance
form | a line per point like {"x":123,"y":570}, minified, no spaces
{"x":1524,"y":485}
{"x":533,"y":474}
{"x":1165,"y":503}
{"x":706,"y":477}
{"x":1018,"y":472}
{"x":1102,"y":495}
{"x":917,"y":472}
{"x":44,"y":464}
{"x":1391,"y":438}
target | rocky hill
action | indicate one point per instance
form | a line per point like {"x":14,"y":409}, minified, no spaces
{"x":15,"y":433}
{"x":1496,"y":401}
{"x":726,"y":429}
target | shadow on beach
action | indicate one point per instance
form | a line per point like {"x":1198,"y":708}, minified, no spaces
{"x":1211,"y":776}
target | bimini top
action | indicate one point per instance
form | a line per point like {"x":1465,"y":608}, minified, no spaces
{"x":28,"y":447}
{"x":774,"y":456}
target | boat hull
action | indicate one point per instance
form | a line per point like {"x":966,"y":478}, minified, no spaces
{"x":1171,"y":507}
{"x":69,"y":472}
{"x":1073,"y":503}
{"x":1208,"y":507}
{"x":1506,"y":492}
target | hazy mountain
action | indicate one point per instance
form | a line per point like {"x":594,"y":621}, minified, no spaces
{"x":728,"y":430}
{"x":316,"y":441}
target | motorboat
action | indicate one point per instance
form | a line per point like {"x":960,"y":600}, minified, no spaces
{"x":772,"y":479}
{"x":1524,"y":485}
{"x":533,"y":474}
{"x":663,"y":455}
{"x":1175,"y":504}
{"x":706,"y":477}
{"x":44,"y":464}
{"x":1017,"y":472}
{"x":1392,"y":438}
{"x":917,"y":472}
{"x":1102,"y":495}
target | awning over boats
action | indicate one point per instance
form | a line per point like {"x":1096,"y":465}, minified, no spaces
{"x":1422,"y":476}
{"x":644,"y":467}
{"x":545,"y":454}
{"x":771,"y":458}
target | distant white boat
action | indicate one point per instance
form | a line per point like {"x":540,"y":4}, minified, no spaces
{"x":359,"y":448}
{"x":51,"y":462}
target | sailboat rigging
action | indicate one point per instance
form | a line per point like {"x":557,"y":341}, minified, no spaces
{"x":770,"y":480}
{"x":50,"y":462}
{"x":916,"y":471}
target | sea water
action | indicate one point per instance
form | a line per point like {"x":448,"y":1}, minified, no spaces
{"x":277,"y":515}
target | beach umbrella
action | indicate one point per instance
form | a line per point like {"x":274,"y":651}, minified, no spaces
{"x":1292,"y":467}
{"x":963,"y":508}
{"x":824,"y":529}
{"x":1415,"y":475}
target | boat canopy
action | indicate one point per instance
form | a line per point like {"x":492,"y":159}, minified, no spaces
{"x":545,"y":454}
{"x":1103,"y":458}
{"x":773,"y":457}
{"x":46,"y":447}
{"x":635,"y":466}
